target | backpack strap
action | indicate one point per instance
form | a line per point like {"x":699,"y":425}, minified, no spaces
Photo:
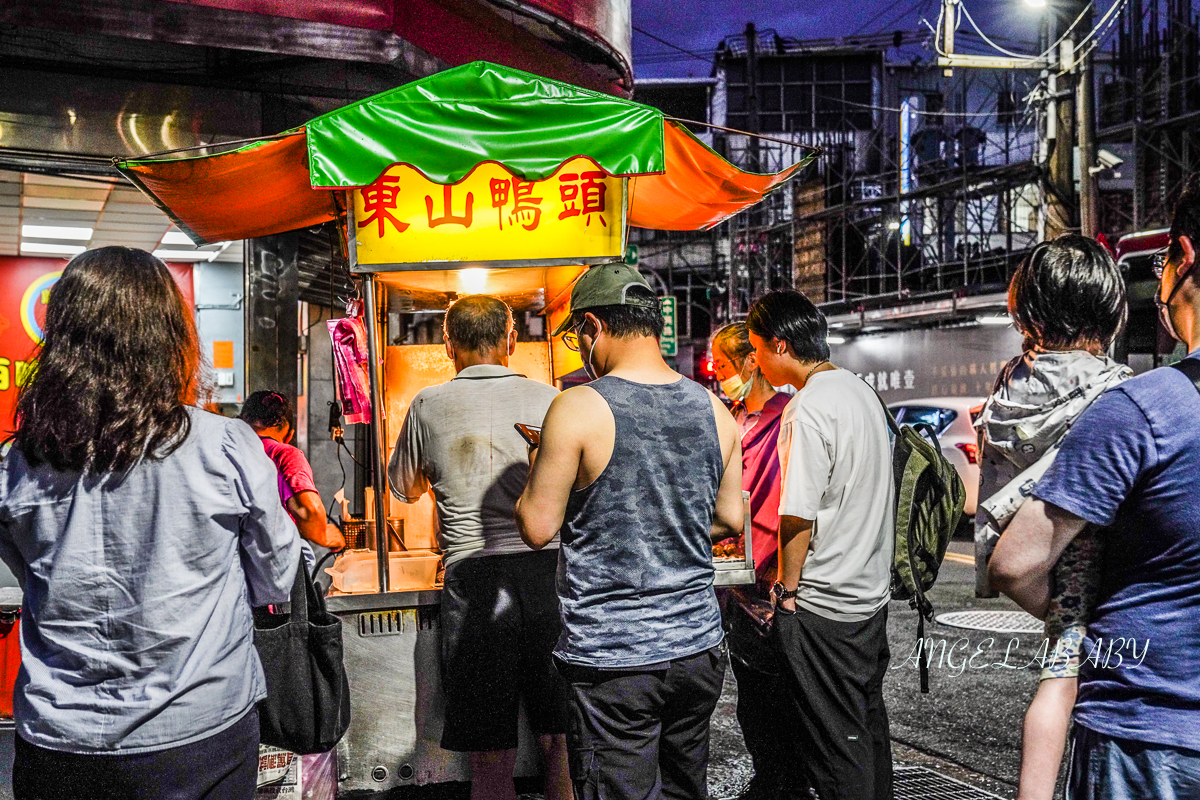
{"x":1191,"y":368}
{"x":887,"y":412}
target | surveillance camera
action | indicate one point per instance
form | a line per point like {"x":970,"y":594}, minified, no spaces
{"x":1108,"y":160}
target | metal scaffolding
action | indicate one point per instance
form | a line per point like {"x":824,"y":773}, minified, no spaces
{"x":930,"y":185}
{"x":1148,"y":107}
{"x":940,"y":195}
{"x":927,"y":185}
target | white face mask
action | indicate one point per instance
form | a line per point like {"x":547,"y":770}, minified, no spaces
{"x":735,"y":388}
{"x":587,"y":360}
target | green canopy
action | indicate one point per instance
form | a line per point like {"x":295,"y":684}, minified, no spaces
{"x":446,"y":124}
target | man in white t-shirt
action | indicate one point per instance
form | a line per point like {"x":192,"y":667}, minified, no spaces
{"x":835,"y":529}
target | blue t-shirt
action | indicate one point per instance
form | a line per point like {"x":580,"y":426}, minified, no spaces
{"x":1132,"y":462}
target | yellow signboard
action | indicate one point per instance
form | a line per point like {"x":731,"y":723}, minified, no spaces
{"x":491,"y":215}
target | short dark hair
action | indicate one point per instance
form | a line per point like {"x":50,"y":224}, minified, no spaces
{"x":1066,"y":292}
{"x":266,"y":409}
{"x":1186,"y":218}
{"x":791,"y":317}
{"x":478,"y":322}
{"x":626,"y":321}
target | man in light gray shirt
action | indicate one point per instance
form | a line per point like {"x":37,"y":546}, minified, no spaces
{"x":500,"y":618}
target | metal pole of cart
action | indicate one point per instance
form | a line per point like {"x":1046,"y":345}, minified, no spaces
{"x":378,"y":446}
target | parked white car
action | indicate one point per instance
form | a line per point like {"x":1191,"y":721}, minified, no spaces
{"x":953,"y":418}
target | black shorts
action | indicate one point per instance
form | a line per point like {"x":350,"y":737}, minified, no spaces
{"x":500,"y":623}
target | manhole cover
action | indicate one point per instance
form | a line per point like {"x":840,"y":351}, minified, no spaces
{"x":994,"y":621}
{"x":922,"y":783}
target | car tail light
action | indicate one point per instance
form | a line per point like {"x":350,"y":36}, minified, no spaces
{"x":971,"y":451}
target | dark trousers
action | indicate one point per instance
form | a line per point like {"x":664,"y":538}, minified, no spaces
{"x":1105,"y":768}
{"x":837,"y":671}
{"x":221,"y":767}
{"x":769,"y":721}
{"x":643,"y":735}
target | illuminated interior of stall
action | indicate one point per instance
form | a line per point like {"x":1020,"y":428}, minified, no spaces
{"x":409,"y":368}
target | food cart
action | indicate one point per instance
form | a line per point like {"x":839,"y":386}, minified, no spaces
{"x":480,"y":179}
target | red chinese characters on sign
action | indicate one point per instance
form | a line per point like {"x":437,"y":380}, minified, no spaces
{"x":448,"y":217}
{"x":583,"y":194}
{"x":524,"y":205}
{"x":379,"y":199}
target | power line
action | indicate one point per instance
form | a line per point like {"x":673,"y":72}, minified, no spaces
{"x":875,"y":18}
{"x":672,"y":46}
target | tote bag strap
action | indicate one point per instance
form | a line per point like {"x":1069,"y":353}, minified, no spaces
{"x":302,"y":590}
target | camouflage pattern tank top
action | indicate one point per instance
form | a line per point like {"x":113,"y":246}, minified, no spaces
{"x":635,"y":572}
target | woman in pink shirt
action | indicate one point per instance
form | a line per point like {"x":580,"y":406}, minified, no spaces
{"x":270,"y":414}
{"x":768,"y":721}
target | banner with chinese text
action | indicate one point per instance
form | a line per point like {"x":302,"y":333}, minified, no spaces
{"x":491,"y":215}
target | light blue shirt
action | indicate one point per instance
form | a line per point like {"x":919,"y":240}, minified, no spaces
{"x":136,"y":631}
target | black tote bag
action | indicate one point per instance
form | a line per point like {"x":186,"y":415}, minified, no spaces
{"x":307,"y":709}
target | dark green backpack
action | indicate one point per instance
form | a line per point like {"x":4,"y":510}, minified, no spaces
{"x":929,"y":504}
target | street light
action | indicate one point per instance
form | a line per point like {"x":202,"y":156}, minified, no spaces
{"x":1036,"y":3}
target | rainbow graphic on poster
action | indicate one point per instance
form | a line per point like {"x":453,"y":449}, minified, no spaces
{"x":33,"y":304}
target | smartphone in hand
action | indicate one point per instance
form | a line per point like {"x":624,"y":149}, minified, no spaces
{"x":530,"y":433}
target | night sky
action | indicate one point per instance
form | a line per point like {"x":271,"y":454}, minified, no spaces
{"x":699,"y":25}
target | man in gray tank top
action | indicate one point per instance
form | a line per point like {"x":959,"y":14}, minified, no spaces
{"x":641,"y":470}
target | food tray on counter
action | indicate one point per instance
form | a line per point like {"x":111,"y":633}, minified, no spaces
{"x":357,"y":571}
{"x":737,"y":570}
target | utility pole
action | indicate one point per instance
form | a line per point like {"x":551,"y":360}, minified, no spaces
{"x":752,"y":95}
{"x":1070,"y":118}
{"x":1060,"y":136}
{"x":1085,"y":113}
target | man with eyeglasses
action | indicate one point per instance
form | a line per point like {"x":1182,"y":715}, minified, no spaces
{"x":1131,"y":464}
{"x":637,"y":469}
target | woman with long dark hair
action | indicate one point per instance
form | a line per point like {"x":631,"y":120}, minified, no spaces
{"x":142,"y":530}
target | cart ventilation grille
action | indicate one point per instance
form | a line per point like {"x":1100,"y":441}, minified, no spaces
{"x":922,"y":783}
{"x":393,"y":623}
{"x":383,"y":623}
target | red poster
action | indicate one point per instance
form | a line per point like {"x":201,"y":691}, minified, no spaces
{"x":24,"y":287}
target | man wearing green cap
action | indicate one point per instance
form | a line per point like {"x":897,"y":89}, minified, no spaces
{"x":639,"y":469}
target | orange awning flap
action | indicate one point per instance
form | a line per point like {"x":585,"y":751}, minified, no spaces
{"x":699,"y":188}
{"x":255,"y":191}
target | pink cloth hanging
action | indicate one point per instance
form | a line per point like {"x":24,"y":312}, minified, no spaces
{"x":350,"y":358}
